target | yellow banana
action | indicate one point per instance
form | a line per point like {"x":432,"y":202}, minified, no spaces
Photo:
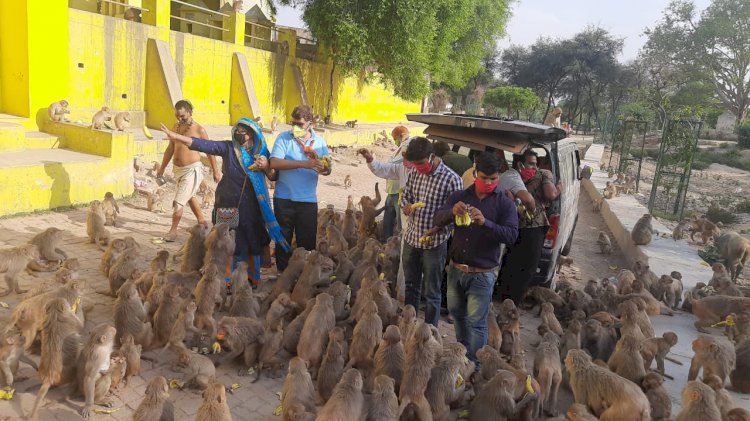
{"x":425,"y":239}
{"x":7,"y":393}
{"x":459,"y":381}
{"x":326,"y":161}
{"x":216,"y":348}
{"x":106,"y":410}
{"x":463,"y":220}
{"x":147,"y":133}
{"x":529,"y":388}
{"x":417,"y":205}
{"x":278,"y":410}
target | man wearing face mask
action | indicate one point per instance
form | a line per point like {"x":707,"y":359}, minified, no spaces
{"x":187,"y":168}
{"x":424,"y":250}
{"x":475,"y":249}
{"x":296,"y":156}
{"x":523,"y":256}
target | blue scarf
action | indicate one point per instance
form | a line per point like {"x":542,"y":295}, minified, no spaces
{"x":257,"y":178}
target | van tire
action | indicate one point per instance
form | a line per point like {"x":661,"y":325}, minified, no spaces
{"x":566,"y":249}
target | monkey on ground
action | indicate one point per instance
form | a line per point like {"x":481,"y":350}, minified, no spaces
{"x":578,"y":412}
{"x":117,"y":365}
{"x":738,"y":414}
{"x":94,"y":368}
{"x":198,"y":369}
{"x":495,"y":400}
{"x":215,"y":406}
{"x":549,"y":319}
{"x":714,"y":309}
{"x":111,"y":210}
{"x":661,"y":405}
{"x":609,"y":396}
{"x":57,"y":110}
{"x":240,"y":335}
{"x":657,"y":348}
{"x":298,"y":389}
{"x":97,"y":122}
{"x":122,"y":121}
{"x":132,"y":354}
{"x":714,"y":356}
{"x":642,"y":231}
{"x":723,"y":399}
{"x":698,"y":403}
{"x":207,"y":295}
{"x":272,"y":341}
{"x":183,"y":326}
{"x":735,"y":250}
{"x":382,"y":403}
{"x":155,"y":404}
{"x":390,"y":355}
{"x":446,"y":386}
{"x":604,"y":243}
{"x":12,"y":262}
{"x":420,"y":358}
{"x":351,"y":124}
{"x":347,"y":401}
{"x":113,"y":251}
{"x":332,"y":366}
{"x":95,"y":220}
{"x":11,"y":352}
{"x":48,"y":243}
{"x":627,"y":360}
{"x":130,"y":316}
{"x":367,"y":334}
{"x":548,"y":371}
{"x":740,"y":376}
{"x":313,"y":337}
{"x":599,"y":341}
{"x":597,"y":204}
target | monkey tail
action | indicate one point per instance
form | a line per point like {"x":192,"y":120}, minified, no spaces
{"x":39,"y":397}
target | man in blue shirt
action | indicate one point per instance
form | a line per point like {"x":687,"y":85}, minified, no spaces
{"x":475,"y":250}
{"x":296,"y":156}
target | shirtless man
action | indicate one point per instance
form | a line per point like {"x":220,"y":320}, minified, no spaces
{"x":188,"y":169}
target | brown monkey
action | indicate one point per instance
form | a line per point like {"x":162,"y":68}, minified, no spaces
{"x":240,"y":335}
{"x":610,"y":191}
{"x":113,"y":251}
{"x":610,"y":396}
{"x":280,"y":308}
{"x":57,"y":110}
{"x":661,"y":405}
{"x":348,"y":181}
{"x":95,"y":221}
{"x":61,"y":343}
{"x":155,"y":404}
{"x":298,"y":389}
{"x":390,"y":355}
{"x":269,"y":354}
{"x":408,"y":323}
{"x":349,"y":224}
{"x":715,"y":356}
{"x":197,"y":369}
{"x":183,"y":326}
{"x":29,"y":314}
{"x":642,"y":231}
{"x":244,"y":303}
{"x":341,"y":294}
{"x":598,"y":340}
{"x":194,"y":250}
{"x":669,"y":291}
{"x":494,"y":334}
{"x":117,"y":366}
{"x":738,"y":414}
{"x":723,"y":399}
{"x":215,"y":406}
{"x":11,"y":352}
{"x":657,"y":348}
{"x":367,"y":335}
{"x":420,"y":358}
{"x":219,"y":246}
{"x":548,"y":318}
{"x":111,"y":210}
{"x":714,"y":309}
{"x":132,"y":354}
{"x":122,"y":121}
{"x":294,"y":328}
{"x":740,"y":376}
{"x":735,"y":250}
{"x":97,"y":122}
{"x":207,"y":295}
{"x":48,"y":243}
{"x":332,"y":366}
{"x":12,"y":261}
{"x":446,"y":385}
{"x":578,"y":412}
{"x":729,"y":289}
{"x":369,"y":213}
{"x":571,"y":339}
{"x":166,"y":313}
{"x":383,"y":403}
{"x":131,"y":317}
{"x":597,"y":204}
{"x":347,"y":401}
{"x":698,"y":403}
{"x":495,"y":400}
{"x":627,"y":360}
{"x":313,"y":337}
{"x":548,"y":371}
{"x":122,"y":270}
{"x":94,"y":377}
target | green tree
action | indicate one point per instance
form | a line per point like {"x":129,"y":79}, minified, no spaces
{"x":511,"y":99}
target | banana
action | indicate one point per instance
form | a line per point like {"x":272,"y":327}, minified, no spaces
{"x":216,"y":348}
{"x":425,"y":239}
{"x":528,"y":385}
{"x":463,"y":220}
{"x":326,"y":161}
{"x":7,"y":393}
{"x":459,"y":381}
{"x":147,"y":133}
{"x":417,"y":205}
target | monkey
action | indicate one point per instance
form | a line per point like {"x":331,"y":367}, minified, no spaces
{"x":294,"y":328}
{"x":332,"y":366}
{"x":369,"y":213}
{"x":93,"y":367}
{"x":610,"y":191}
{"x":313,"y":338}
{"x":714,"y":309}
{"x":578,"y":412}
{"x":130,"y":316}
{"x":635,"y":309}
{"x":240,"y":336}
{"x":739,"y":376}
{"x":274,"y":124}
{"x":698,"y":403}
{"x":219,"y":246}
{"x":298,"y":388}
{"x":341,"y":294}
{"x":389,"y":357}
{"x":661,"y":405}
{"x":537,"y":295}
{"x":280,"y":307}
{"x":548,"y":371}
{"x":111,"y":210}
{"x":679,"y":231}
{"x":715,"y":357}
{"x":348,"y":181}
{"x":207,"y":295}
{"x":122,"y":270}
{"x":657,"y":348}
{"x":155,"y":404}
{"x":669,"y":291}
{"x":11,"y":352}
{"x":642,"y":231}
{"x":610,"y":396}
{"x":166,"y":313}
{"x":383,"y":403}
{"x":155,"y":200}
{"x":571,"y":339}
{"x":723,"y":399}
{"x":244,"y":304}
{"x":183,"y":326}
{"x":706,"y":228}
{"x":194,"y":250}
{"x":597,"y":340}
{"x":446,"y":385}
{"x":117,"y":366}
{"x":122,"y":121}
{"x":729,"y":289}
{"x":367,"y":334}
{"x":215,"y":406}
{"x":349,"y":223}
{"x":597,"y":204}
{"x":494,"y":334}
{"x":627,"y":360}
{"x":337,"y":244}
{"x":12,"y":261}
{"x":29,"y":315}
{"x":272,"y":341}
{"x":132,"y":355}
{"x":735,"y":250}
{"x":207,"y":194}
{"x":347,"y":401}
{"x":97,"y":122}
{"x":604,"y":243}
{"x":592,"y":288}
{"x":113,"y":251}
{"x":351,"y":124}
{"x":314,"y":278}
{"x":57,"y":110}
{"x":408,"y":323}
{"x":285,"y":282}
{"x":420,"y":359}
{"x":495,"y":401}
{"x":197,"y":369}
{"x":720,"y":273}
{"x":48,"y":243}
{"x":738,"y":414}
{"x":548,"y":318}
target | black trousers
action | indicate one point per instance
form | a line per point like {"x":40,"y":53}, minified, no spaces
{"x":298,"y":219}
{"x":521,"y":262}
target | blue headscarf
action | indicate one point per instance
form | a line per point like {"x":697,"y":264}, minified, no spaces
{"x":257,"y":178}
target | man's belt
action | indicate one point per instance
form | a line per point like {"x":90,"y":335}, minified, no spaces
{"x":471,"y":269}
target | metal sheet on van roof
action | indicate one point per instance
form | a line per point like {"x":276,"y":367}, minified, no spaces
{"x":486,"y":131}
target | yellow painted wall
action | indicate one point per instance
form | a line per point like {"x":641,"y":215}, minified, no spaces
{"x":14,"y":76}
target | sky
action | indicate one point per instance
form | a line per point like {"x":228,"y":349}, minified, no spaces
{"x":563,"y":19}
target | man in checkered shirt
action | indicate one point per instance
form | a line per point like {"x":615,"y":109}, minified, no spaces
{"x":425,"y":248}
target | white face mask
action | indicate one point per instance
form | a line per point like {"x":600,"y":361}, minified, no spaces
{"x":298,"y":132}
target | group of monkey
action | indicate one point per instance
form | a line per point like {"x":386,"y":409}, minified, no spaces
{"x":57,"y":110}
{"x":351,"y":350}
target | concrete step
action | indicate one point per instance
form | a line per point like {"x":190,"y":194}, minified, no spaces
{"x":12,"y":136}
{"x":45,"y":157}
{"x":40,"y":140}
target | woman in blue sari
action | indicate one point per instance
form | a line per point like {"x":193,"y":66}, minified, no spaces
{"x":244,"y":167}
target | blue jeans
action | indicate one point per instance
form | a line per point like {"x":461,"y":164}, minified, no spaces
{"x":424,"y":265}
{"x":469,"y":300}
{"x":391,"y":216}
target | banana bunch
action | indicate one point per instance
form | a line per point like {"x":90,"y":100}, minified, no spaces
{"x":463,"y":220}
{"x":524,"y":213}
{"x":326,"y":162}
{"x":425,"y":239}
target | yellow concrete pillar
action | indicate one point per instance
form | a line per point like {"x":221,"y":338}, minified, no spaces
{"x":235,"y":22}
{"x":33,"y":65}
{"x":158,"y":13}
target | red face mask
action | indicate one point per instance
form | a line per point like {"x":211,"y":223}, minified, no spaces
{"x":527,"y":174}
{"x":408,"y":164}
{"x":484,"y":188}
{"x":425,"y":168}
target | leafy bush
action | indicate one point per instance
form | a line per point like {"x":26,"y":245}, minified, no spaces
{"x":731,"y":159}
{"x":743,"y":136}
{"x":743,"y":207}
{"x":700,"y":165}
{"x":710,"y":254}
{"x":721,"y":215}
